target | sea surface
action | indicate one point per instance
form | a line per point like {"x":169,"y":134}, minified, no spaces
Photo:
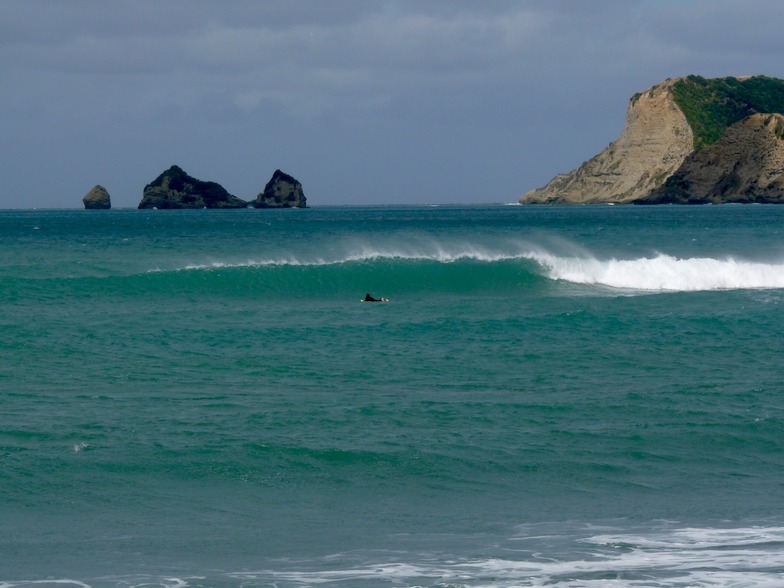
{"x":588,"y":396}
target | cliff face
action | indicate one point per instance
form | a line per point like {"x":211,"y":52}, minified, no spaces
{"x":176,"y":189}
{"x":704,"y":134}
{"x":745,"y":165}
{"x":654,"y":142}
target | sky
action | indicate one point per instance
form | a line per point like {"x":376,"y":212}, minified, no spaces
{"x":363,"y":101}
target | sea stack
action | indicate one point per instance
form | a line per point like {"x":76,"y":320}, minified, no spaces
{"x":282,"y":191}
{"x":97,"y":199}
{"x":176,"y":189}
{"x":686,"y":140}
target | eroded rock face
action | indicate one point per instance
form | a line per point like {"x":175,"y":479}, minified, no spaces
{"x":745,"y":165}
{"x":655,"y":141}
{"x":97,"y":199}
{"x":176,"y":189}
{"x":282,"y":191}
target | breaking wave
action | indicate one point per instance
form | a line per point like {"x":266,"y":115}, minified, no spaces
{"x":659,"y":273}
{"x":417,"y":269}
{"x":666,"y":273}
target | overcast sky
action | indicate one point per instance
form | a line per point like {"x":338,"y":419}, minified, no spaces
{"x":363,"y":101}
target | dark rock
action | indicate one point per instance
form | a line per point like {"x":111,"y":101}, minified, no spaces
{"x":282,"y":191}
{"x":745,"y":165}
{"x":97,"y":199}
{"x":176,"y":189}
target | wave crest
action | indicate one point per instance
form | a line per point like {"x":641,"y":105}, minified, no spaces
{"x":665,"y":273}
{"x":561,"y":261}
{"x":436,"y":253}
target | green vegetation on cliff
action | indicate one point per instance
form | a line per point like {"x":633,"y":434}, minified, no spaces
{"x":712,"y":105}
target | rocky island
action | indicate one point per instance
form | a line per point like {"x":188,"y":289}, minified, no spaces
{"x":282,"y":191}
{"x":687,"y":140}
{"x":176,"y":189}
{"x":97,"y":199}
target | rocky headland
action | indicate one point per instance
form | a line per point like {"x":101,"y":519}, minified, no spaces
{"x":686,"y":140}
{"x":282,"y":191}
{"x":97,"y":199}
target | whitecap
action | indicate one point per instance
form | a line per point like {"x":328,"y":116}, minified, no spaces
{"x":668,"y":558}
{"x":665,"y":273}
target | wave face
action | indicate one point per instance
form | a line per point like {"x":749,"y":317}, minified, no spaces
{"x":458,"y":271}
{"x":400,"y":275}
{"x":462,"y":270}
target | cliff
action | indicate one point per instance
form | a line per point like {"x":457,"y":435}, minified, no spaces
{"x":282,"y":191}
{"x":654,"y":142}
{"x":176,"y":189}
{"x":667,"y":125}
{"x":97,"y":199}
{"x":745,"y":165}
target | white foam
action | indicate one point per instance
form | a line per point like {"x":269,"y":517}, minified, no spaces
{"x":748,"y":557}
{"x":113,"y":581}
{"x":397,"y":572}
{"x":698,"y":538}
{"x":59,"y":582}
{"x":665,"y":273}
{"x":666,"y":558}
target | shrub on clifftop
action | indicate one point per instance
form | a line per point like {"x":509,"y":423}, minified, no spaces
{"x":712,"y":105}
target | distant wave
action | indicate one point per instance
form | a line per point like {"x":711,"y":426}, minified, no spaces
{"x":665,"y":273}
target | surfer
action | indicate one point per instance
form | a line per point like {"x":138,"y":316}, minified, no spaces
{"x":369,"y":298}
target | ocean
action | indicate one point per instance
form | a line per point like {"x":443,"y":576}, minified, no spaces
{"x":587,"y":396}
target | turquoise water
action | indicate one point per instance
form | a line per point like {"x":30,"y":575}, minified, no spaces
{"x":553,"y":396}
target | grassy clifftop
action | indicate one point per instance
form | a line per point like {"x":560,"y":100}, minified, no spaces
{"x":712,"y":105}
